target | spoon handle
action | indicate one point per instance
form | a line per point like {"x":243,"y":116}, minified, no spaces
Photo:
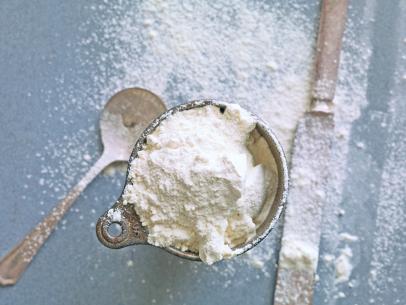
{"x":17,"y":260}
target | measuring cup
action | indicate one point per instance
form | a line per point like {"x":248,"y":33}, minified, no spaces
{"x":129,"y":228}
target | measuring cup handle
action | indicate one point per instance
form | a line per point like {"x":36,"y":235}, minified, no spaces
{"x":16,"y":261}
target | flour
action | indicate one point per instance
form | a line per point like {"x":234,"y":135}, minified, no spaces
{"x":196,"y":185}
{"x":389,"y":238}
{"x":232,"y":50}
{"x":150,"y":47}
{"x":114,"y":215}
{"x":298,"y":255}
{"x":343,"y":265}
{"x":344,"y":236}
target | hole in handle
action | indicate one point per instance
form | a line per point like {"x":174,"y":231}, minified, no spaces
{"x":113,"y":233}
{"x":115,"y":229}
{"x":118,"y":232}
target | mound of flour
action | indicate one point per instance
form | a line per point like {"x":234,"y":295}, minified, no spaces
{"x":196,"y":185}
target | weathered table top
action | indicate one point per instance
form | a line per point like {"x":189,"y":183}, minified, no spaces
{"x":39,"y":78}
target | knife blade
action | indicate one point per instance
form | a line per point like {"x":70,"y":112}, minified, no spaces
{"x":310,"y":162}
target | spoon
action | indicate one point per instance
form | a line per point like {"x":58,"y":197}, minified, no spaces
{"x":120,"y":226}
{"x":123,"y":119}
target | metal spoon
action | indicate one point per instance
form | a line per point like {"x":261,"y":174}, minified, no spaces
{"x":123,"y":119}
{"x":131,"y":231}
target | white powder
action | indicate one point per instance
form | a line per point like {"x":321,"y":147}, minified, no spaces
{"x":233,"y":50}
{"x":388,"y":260}
{"x":196,"y":184}
{"x":344,"y":236}
{"x":114,"y":215}
{"x":297,"y":254}
{"x":343,"y":265}
{"x":192,"y":54}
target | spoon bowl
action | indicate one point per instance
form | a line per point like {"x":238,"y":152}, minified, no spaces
{"x":132,"y":232}
{"x":124,"y":117}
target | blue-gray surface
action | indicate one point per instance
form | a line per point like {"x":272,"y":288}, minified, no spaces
{"x":73,"y":268}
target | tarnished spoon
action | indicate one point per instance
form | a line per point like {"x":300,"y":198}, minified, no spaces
{"x":124,"y":118}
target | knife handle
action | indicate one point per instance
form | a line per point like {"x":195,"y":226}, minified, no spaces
{"x":332,"y":23}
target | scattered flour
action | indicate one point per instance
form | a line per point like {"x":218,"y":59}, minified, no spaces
{"x":114,"y":215}
{"x":130,"y":263}
{"x":297,"y":254}
{"x":163,"y":46}
{"x":254,"y":60}
{"x":343,"y":265}
{"x":328,"y":258}
{"x":201,"y":189}
{"x":344,"y":236}
{"x":390,"y":235}
{"x":179,"y":52}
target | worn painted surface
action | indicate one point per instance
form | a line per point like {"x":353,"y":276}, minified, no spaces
{"x":74,"y":268}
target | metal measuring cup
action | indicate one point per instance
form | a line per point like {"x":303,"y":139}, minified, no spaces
{"x":131,"y":232}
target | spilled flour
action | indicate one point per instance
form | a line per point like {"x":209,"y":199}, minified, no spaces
{"x":343,"y":265}
{"x":262,"y":59}
{"x":252,"y":60}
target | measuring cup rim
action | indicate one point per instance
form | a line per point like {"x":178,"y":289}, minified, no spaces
{"x":277,"y":153}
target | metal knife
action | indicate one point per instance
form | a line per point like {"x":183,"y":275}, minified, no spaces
{"x":310,"y":161}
